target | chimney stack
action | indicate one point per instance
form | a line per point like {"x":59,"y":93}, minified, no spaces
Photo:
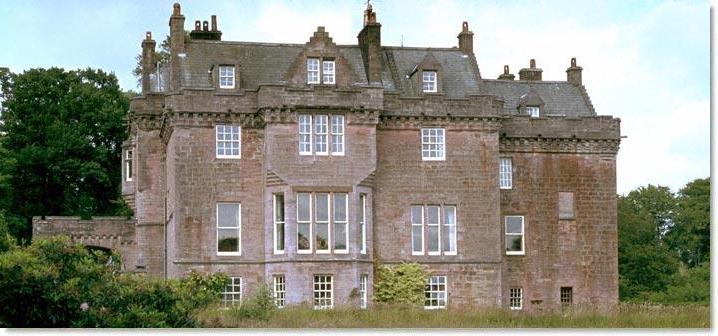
{"x":573,"y":74}
{"x":176,"y":45}
{"x":370,"y":45}
{"x":148,"y":61}
{"x":506,"y":75}
{"x":202,"y":30}
{"x":532,"y":73}
{"x":214,"y":22}
{"x":466,"y":39}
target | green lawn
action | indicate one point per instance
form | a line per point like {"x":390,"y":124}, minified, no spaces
{"x":624,"y":316}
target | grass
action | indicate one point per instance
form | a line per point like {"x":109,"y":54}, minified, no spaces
{"x":626,"y":315}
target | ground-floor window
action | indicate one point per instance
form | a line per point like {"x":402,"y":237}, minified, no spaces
{"x":435,"y":292}
{"x":323,"y":298}
{"x":232,"y":293}
{"x":280,"y":290}
{"x":362,"y":291}
{"x":566,"y":296}
{"x":516,"y":298}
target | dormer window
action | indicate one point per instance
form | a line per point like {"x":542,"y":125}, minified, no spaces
{"x":533,"y":111}
{"x":428,"y":81}
{"x":226,"y":77}
{"x":326,"y":73}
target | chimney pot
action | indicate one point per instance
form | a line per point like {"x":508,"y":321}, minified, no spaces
{"x":573,"y":74}
{"x":197,"y":25}
{"x":465,"y":27}
{"x":506,"y":69}
{"x":148,"y":36}
{"x":466,"y":39}
{"x":370,"y":44}
{"x":205,"y":26}
{"x":176,"y":9}
{"x":506,"y":75}
{"x":214,"y":22}
{"x":532,"y":63}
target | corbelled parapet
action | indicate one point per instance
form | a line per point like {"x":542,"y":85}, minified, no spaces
{"x":590,"y":135}
{"x":438,"y":105}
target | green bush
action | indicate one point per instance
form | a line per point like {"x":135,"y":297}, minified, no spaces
{"x":690,"y":286}
{"x":258,"y":306}
{"x":401,"y":284}
{"x":54,"y":283}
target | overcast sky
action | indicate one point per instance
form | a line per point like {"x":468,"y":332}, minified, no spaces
{"x":644,"y":62}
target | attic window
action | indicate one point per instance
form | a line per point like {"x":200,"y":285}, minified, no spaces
{"x":533,"y":111}
{"x":428,"y":81}
{"x":226,"y":76}
{"x":312,"y":71}
{"x":325,"y":74}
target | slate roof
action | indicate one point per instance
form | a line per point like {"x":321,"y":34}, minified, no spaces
{"x":268,"y":63}
{"x":560,"y":98}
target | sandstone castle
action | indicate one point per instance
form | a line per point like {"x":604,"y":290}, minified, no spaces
{"x":305,"y":166}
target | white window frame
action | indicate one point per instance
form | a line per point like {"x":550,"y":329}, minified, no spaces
{"x":229,"y":293}
{"x":433,"y":140}
{"x":278,"y":223}
{"x":313,"y":68}
{"x":505,"y":173}
{"x":321,"y":134}
{"x":328,"y":222}
{"x":129,"y":171}
{"x":362,"y":222}
{"x":429,"y":81}
{"x":449,"y":227}
{"x":434,"y":296}
{"x":437,"y":226}
{"x":533,"y":111}
{"x":516,"y":298}
{"x":336,"y":221}
{"x":522,"y":234}
{"x":306,"y":120}
{"x":419,"y":224}
{"x":323,"y":280}
{"x":280,"y":290}
{"x":310,"y":223}
{"x":226,"y":77}
{"x":229,"y":142}
{"x":238,"y":228}
{"x":363,"y":296}
{"x":337,"y":137}
{"x":328,"y":72}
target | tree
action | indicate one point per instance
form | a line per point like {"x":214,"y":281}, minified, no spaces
{"x":690,"y":235}
{"x":62,"y":144}
{"x":658,"y":202}
{"x":645,"y":264}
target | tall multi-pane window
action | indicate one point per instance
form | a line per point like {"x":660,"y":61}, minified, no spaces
{"x":128,"y":165}
{"x":315,"y":137}
{"x":449,"y":230}
{"x":280,"y":290}
{"x":312,"y":71}
{"x":338,"y":135}
{"x":328,"y":72}
{"x":226,"y":77}
{"x":428,"y":83}
{"x":305,"y":134}
{"x":228,"y":141}
{"x":363,"y":298}
{"x":362,"y":223}
{"x":278,"y":223}
{"x":417,"y":230}
{"x":505,"y":173}
{"x":439,"y":222}
{"x":566,"y":296}
{"x":325,"y":216}
{"x":321,"y":222}
{"x":514,"y":234}
{"x":320,"y":134}
{"x":228,"y":229}
{"x":339,"y":217}
{"x":323,"y":297}
{"x":435,"y":292}
{"x":232,"y":293}
{"x":304,"y":223}
{"x":516,"y":298}
{"x":533,"y":111}
{"x":433,"y":144}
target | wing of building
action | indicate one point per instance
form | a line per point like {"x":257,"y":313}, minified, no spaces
{"x":308,"y":165}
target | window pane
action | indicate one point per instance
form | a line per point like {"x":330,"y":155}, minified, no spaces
{"x":303,"y":207}
{"x":322,"y":207}
{"x":514,"y":224}
{"x":279,"y":208}
{"x":416,"y":215}
{"x":340,"y":236}
{"x":228,"y":215}
{"x":322,"y":233}
{"x":432,"y":214}
{"x":449,"y":215}
{"x":416,"y":238}
{"x":340,"y":207}
{"x":227,"y":240}
{"x":303,"y":236}
{"x":433,"y":231}
{"x":280,"y":236}
{"x":513,"y":243}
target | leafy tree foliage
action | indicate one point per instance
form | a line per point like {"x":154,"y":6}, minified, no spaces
{"x":658,"y":202}
{"x":690,"y":235}
{"x":400,"y":284}
{"x":61,"y":144}
{"x":54,"y":283}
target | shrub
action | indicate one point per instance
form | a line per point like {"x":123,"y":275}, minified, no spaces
{"x":690,"y":286}
{"x":258,"y":306}
{"x":401,"y":284}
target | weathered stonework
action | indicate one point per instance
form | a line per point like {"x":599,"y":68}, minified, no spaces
{"x":567,"y":155}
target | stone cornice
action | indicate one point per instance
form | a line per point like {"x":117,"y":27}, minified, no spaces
{"x":558,"y":145}
{"x":171,"y":119}
{"x":288,"y":115}
{"x":471,"y":123}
